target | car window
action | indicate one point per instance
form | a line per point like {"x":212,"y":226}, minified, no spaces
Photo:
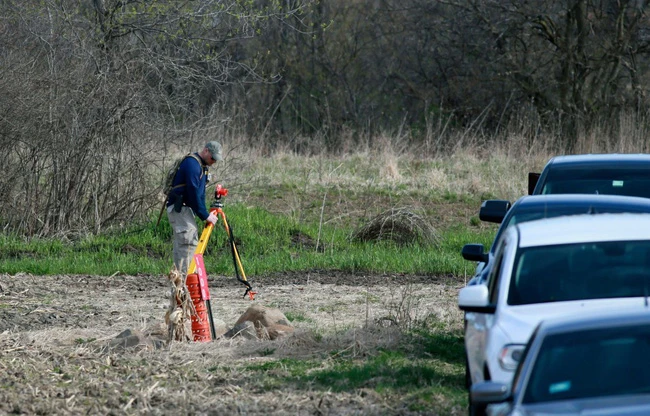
{"x":608,"y":181}
{"x":558,"y":211}
{"x":516,"y":218}
{"x":592,"y":363}
{"x":495,"y":273}
{"x":580,"y":271}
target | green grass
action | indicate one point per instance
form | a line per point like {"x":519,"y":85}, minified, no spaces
{"x":263,"y":241}
{"x":425,"y":367}
{"x":296,"y":317}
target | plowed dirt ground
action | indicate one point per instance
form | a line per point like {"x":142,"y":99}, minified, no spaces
{"x":56,"y":333}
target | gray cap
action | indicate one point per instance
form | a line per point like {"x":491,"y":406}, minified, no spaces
{"x":215,"y":150}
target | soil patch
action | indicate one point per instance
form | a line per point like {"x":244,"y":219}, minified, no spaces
{"x":54,"y":330}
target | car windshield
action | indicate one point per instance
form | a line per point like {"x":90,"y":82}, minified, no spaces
{"x":593,"y":363}
{"x":536,"y":212}
{"x":589,"y":180}
{"x":596,"y":270}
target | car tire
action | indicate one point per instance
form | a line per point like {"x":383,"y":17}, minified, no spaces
{"x":473,"y":409}
{"x":476,"y":410}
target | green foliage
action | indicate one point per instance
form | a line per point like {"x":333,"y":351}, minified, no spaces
{"x":296,"y":317}
{"x":264,"y":243}
{"x":424,"y":367}
{"x":286,"y":367}
{"x":389,"y":370}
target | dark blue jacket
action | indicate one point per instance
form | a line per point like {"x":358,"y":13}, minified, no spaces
{"x":194,"y":176}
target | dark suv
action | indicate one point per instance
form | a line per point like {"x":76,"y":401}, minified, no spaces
{"x":604,"y":174}
{"x":610,"y":174}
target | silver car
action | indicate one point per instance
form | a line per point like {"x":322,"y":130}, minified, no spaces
{"x":585,"y":364}
{"x":551,"y":268}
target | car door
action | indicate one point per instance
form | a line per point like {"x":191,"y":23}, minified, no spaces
{"x":479,"y":324}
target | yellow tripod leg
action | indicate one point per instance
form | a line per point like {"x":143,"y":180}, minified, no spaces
{"x":200,"y":248}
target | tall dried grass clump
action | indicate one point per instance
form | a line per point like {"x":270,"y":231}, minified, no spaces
{"x":400,"y":225}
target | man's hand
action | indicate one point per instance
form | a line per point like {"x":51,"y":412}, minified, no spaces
{"x":212,"y":218}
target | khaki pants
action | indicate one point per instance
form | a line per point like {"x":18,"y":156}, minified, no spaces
{"x":186,"y":236}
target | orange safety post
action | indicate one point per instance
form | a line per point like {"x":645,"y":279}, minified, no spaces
{"x":200,"y":321}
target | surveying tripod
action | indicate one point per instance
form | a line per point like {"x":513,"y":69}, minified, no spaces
{"x":217,"y":208}
{"x":196,"y":271}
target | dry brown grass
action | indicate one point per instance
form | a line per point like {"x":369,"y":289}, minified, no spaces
{"x":501,"y":172}
{"x":448,"y":162}
{"x":401,"y":225}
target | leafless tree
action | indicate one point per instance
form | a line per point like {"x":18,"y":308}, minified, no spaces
{"x":576,"y":60}
{"x":95,"y":91}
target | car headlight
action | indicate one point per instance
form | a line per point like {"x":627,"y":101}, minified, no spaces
{"x":510,"y":356}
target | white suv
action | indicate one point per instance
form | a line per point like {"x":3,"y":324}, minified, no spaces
{"x":549,"y":268}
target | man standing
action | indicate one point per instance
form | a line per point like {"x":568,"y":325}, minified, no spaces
{"x":187,"y":200}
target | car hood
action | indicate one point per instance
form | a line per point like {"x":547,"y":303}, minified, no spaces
{"x":520,"y":321}
{"x":629,"y":405}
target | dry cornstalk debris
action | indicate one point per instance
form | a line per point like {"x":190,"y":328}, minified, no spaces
{"x":58,"y":363}
{"x":180,"y":309}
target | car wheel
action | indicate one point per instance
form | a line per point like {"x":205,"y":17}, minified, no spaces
{"x":476,"y":409}
{"x":473,"y":408}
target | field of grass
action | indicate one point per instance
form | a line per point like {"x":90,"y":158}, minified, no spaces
{"x":292,"y":213}
{"x":293,"y":218}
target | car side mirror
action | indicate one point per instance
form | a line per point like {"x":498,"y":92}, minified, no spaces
{"x":533,"y":178}
{"x":488,"y":392}
{"x":494,"y":210}
{"x":475,"y":299}
{"x":474,"y":252}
